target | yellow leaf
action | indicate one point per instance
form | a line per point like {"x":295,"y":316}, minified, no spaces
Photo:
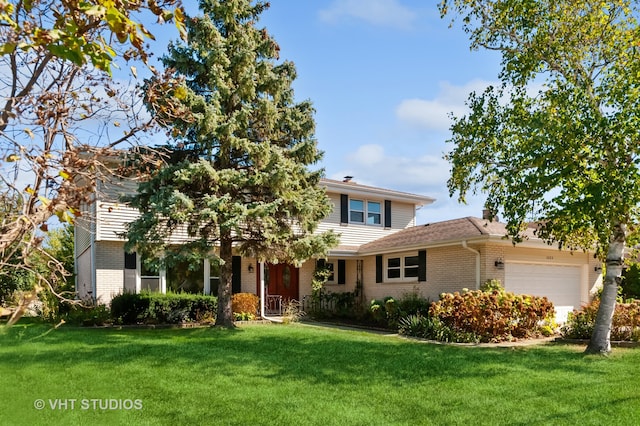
{"x":29,"y":190}
{"x":134,"y":71}
{"x":30,"y":133}
{"x":44,"y":200}
{"x":64,"y":174}
{"x":11,"y":158}
{"x":116,"y":123}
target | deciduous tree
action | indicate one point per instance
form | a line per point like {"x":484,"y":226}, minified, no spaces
{"x":238,"y":176}
{"x":567,"y":154}
{"x":61,"y":112}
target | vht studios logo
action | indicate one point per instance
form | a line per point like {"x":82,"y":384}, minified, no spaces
{"x":88,"y":404}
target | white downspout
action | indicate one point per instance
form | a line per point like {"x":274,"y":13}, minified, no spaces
{"x":464,"y":244}
{"x":263,"y":295}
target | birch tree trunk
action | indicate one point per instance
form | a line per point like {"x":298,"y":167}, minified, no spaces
{"x":600,"y":339}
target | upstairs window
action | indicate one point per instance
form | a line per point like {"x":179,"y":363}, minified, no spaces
{"x":356,"y":211}
{"x":365,"y":212}
{"x":374,"y":214}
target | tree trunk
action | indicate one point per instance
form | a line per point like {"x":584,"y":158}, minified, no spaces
{"x":224,"y":316}
{"x":600,"y":339}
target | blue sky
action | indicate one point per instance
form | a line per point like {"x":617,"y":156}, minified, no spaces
{"x":383,"y":76}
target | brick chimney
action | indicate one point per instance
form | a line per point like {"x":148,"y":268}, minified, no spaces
{"x":487,"y":214}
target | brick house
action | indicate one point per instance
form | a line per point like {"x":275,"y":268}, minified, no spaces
{"x":382,"y":252}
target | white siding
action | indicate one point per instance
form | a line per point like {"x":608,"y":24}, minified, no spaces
{"x":114,"y":189}
{"x":402,"y":216}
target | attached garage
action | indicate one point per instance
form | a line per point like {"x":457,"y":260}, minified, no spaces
{"x":559,"y":283}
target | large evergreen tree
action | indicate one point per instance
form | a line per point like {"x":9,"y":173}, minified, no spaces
{"x":238,"y":172}
{"x":567,"y":156}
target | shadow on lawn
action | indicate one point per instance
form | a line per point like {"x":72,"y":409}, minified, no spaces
{"x":284,"y":352}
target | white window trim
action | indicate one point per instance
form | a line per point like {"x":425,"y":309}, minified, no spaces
{"x":365,"y":211}
{"x":162,"y":277}
{"x":402,"y":278}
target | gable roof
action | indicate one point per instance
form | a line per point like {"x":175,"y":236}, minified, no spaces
{"x":353,"y":188}
{"x":441,"y":233}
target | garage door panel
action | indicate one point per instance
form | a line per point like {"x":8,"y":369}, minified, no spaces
{"x":560,"y":284}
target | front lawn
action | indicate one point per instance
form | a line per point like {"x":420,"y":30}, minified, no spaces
{"x":297,"y":375}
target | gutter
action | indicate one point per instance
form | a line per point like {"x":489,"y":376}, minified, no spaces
{"x":477,"y":253}
{"x":262,"y":297}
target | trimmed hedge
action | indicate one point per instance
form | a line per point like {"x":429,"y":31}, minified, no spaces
{"x":625,"y":324}
{"x":157,"y":308}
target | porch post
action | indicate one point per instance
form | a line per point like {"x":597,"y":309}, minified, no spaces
{"x":262,"y":295}
{"x":207,"y":277}
{"x":163,"y":280}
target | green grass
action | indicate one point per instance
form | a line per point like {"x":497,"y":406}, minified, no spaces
{"x":297,"y":375}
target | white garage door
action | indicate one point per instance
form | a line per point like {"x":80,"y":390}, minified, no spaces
{"x":560,"y":284}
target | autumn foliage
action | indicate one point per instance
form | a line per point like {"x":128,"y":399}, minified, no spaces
{"x":492,"y":316}
{"x":244,"y":303}
{"x":624,"y":326}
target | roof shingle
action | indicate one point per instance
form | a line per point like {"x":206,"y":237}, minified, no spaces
{"x":439,"y":232}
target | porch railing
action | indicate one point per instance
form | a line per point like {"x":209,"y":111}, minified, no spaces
{"x":273,"y":305}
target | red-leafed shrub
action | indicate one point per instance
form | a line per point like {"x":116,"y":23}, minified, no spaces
{"x":625,"y":324}
{"x":492,"y":316}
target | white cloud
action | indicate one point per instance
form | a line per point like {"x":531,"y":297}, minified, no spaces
{"x":422,"y":174}
{"x":434,"y":113}
{"x":385,"y":13}
{"x":370,"y":165}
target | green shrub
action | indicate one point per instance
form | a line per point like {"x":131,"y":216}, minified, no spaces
{"x":491,"y":285}
{"x":86,"y":313}
{"x":492,"y":316}
{"x":326,"y":304}
{"x":157,"y":308}
{"x":243,"y":316}
{"x":378,"y":311}
{"x":388,"y":311}
{"x":415,"y":325}
{"x":432,"y":328}
{"x":625,"y":324}
{"x":412,"y":303}
{"x":130,"y":308}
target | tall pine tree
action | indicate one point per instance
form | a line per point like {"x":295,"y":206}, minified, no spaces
{"x":238,"y":175}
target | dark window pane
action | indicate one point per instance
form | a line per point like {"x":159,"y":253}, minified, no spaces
{"x":393,"y":262}
{"x":357,"y":217}
{"x":411,"y":261}
{"x":410,"y":272}
{"x":393,"y":273}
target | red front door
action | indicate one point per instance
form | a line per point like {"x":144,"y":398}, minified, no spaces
{"x":282,"y":279}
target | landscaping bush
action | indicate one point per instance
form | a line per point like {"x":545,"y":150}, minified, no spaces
{"x":492,"y":316}
{"x":388,"y":311}
{"x":625,"y":324}
{"x":432,"y":328}
{"x":157,"y":308}
{"x":86,"y":314}
{"x":244,"y":306}
{"x":326,"y":304}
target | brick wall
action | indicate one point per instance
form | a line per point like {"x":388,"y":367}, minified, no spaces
{"x":109,"y":269}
